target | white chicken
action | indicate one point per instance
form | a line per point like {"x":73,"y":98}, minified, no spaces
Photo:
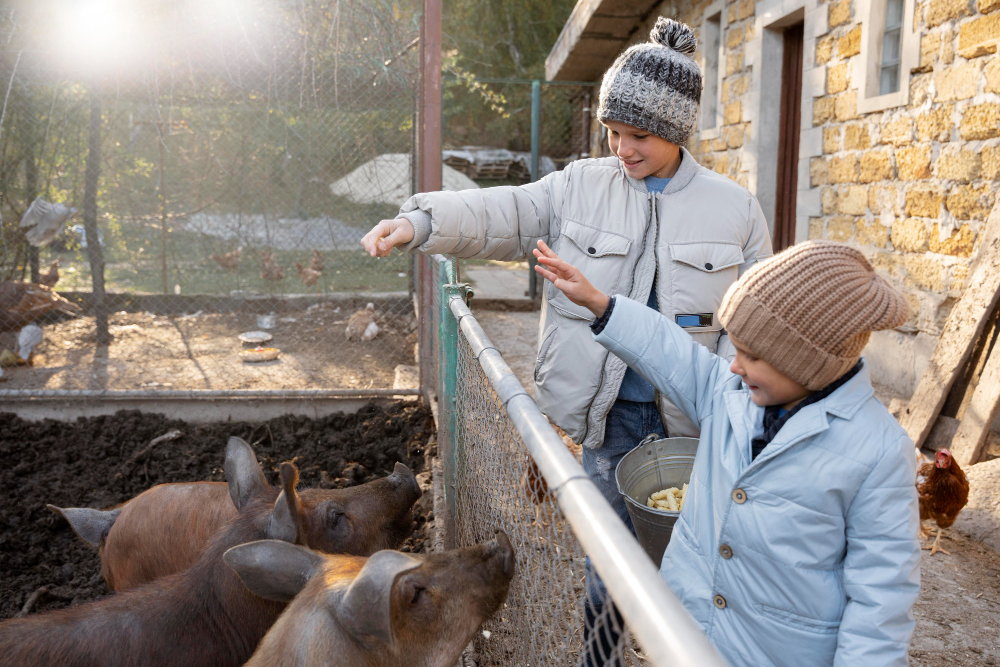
{"x":45,"y":220}
{"x":28,"y":338}
{"x":362,"y":325}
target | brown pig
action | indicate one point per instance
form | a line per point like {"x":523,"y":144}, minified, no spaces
{"x":390,"y":610}
{"x":204,"y":615}
{"x":164,"y":529}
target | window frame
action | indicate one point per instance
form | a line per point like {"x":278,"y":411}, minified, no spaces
{"x":714,"y":14}
{"x":873,"y":29}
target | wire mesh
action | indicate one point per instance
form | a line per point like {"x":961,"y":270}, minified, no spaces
{"x":556,"y":613}
{"x":242,"y":151}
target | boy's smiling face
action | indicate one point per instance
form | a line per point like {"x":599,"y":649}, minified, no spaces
{"x":642,"y":154}
{"x":768,"y":386}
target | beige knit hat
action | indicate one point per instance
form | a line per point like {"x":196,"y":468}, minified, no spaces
{"x":810,"y":310}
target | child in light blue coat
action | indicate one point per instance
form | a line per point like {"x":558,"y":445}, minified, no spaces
{"x":797,"y":543}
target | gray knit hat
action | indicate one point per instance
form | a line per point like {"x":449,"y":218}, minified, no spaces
{"x":655,"y":86}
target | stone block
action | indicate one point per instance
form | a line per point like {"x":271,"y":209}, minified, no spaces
{"x":743,"y":180}
{"x":929,"y":46}
{"x":815,"y":228}
{"x":836,"y":78}
{"x":991,"y":162}
{"x":720,"y":143}
{"x":745,"y":9}
{"x":840,"y":12}
{"x":883,"y":200}
{"x":852,"y":200}
{"x":957,"y":83}
{"x":846,"y":106}
{"x":876,"y":166}
{"x":828,"y":200}
{"x":819,"y":172}
{"x":939,"y":11}
{"x":731,"y":14}
{"x":987,"y":6}
{"x":959,"y":274}
{"x":707,"y":161}
{"x":959,"y":244}
{"x":947,"y":45}
{"x":924,"y":201}
{"x":733,"y":113}
{"x":979,"y":37}
{"x":959,"y":163}
{"x":840,"y":228}
{"x":739,"y":85}
{"x":850,"y":44}
{"x":935,"y":124}
{"x":856,"y":137}
{"x":992,"y":72}
{"x":909,"y":235}
{"x":898,"y":132}
{"x":913,"y":162}
{"x":970,"y":202}
{"x":824,"y":49}
{"x":734,"y":37}
{"x":924,"y":272}
{"x":823,"y":108}
{"x":831,"y":139}
{"x":734,"y":63}
{"x":734,"y":136}
{"x":981,"y":121}
{"x":871,"y":232}
{"x":722,"y":164}
{"x":844,"y":169}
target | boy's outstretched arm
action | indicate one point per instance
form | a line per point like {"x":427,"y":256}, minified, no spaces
{"x":882,"y":564}
{"x":659,"y":350}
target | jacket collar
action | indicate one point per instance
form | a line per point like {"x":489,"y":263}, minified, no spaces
{"x":686,"y":172}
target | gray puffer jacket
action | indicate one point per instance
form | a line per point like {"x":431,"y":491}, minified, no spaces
{"x":696,"y":237}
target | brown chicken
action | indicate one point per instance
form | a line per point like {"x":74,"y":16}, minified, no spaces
{"x":51,"y":277}
{"x":271,"y":270}
{"x":228,"y":260}
{"x":309,"y":277}
{"x":943,"y":491}
{"x":22,"y":303}
{"x":316,"y":261}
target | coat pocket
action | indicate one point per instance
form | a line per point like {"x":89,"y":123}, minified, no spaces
{"x":701,"y":272}
{"x":784,"y":617}
{"x":543,"y":350}
{"x":599,"y":254}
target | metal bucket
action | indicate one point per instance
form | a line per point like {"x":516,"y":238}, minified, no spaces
{"x":653,"y":466}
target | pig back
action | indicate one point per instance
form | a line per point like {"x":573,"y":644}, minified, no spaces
{"x":162,"y":531}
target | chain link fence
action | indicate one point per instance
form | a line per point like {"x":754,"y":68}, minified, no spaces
{"x":506,"y":468}
{"x":226,"y":159}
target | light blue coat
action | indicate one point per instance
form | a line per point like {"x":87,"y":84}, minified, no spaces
{"x":821,"y":527}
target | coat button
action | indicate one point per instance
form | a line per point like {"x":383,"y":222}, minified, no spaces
{"x":592,"y":250}
{"x":719,"y":601}
{"x":726,"y":551}
{"x":708,"y":266}
{"x":739,"y":496}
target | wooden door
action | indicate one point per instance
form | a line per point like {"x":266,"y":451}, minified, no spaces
{"x":788,"y":138}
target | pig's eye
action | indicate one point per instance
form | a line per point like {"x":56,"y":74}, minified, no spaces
{"x":334,"y":516}
{"x":418,"y":591}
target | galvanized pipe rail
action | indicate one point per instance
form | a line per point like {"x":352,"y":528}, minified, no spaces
{"x":202,"y":394}
{"x":666,"y":631}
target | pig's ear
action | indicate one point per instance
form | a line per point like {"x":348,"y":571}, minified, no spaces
{"x":286,"y":518}
{"x":366,"y":608}
{"x":91,"y":525}
{"x":243,"y":473}
{"x":273,"y":569}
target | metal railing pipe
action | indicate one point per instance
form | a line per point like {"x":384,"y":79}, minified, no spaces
{"x":201,"y":394}
{"x":663,"y":627}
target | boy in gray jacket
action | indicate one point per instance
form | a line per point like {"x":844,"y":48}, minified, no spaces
{"x":649,"y":223}
{"x":797,"y":544}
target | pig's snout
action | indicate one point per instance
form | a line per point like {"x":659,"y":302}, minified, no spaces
{"x":404,"y":479}
{"x":503,"y":549}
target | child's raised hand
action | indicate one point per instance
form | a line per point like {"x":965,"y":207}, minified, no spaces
{"x":569,"y":280}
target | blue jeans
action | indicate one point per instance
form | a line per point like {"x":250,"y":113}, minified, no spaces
{"x":626,"y":426}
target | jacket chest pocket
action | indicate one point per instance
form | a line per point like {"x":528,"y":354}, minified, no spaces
{"x":599,"y":254}
{"x":700,"y":274}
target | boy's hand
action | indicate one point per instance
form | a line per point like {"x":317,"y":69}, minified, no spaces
{"x":569,"y":280}
{"x":386,"y":235}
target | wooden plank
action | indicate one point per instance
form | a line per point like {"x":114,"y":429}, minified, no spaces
{"x":964,"y":325}
{"x":970,"y":439}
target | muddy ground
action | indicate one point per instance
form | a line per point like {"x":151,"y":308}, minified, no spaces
{"x":200,"y":351}
{"x":75,"y":464}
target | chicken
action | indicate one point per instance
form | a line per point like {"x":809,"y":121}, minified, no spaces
{"x":228,"y":260}
{"x":943,"y":491}
{"x":362,"y":324}
{"x":28,"y":338}
{"x":51,"y":277}
{"x":309,"y":277}
{"x":271,"y":270}
{"x":44,"y":220}
{"x":316,"y":262}
{"x":22,"y":303}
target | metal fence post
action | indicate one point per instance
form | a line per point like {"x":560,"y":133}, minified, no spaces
{"x":536,"y":140}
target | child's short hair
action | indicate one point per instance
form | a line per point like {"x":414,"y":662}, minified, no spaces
{"x":810,"y":310}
